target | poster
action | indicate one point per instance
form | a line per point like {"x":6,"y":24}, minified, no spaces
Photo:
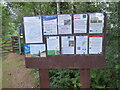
{"x":65,"y":24}
{"x":96,"y":23}
{"x":95,"y":44}
{"x":33,"y":30}
{"x":67,"y":44}
{"x":80,"y":23}
{"x":50,"y":25}
{"x":81,"y":44}
{"x":53,"y":47}
{"x":35,"y":50}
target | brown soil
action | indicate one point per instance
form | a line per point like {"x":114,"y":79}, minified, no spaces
{"x":15,"y":75}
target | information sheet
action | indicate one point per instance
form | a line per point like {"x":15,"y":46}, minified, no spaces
{"x":50,"y":24}
{"x":33,"y":30}
{"x":96,"y":23}
{"x":95,"y":44}
{"x":67,"y":44}
{"x":53,"y":47}
{"x":35,"y":50}
{"x":65,"y":24}
{"x":81,"y":44}
{"x":80,"y":23}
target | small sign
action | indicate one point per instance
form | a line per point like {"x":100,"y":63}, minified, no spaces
{"x":95,"y":44}
{"x":33,"y":30}
{"x":81,"y":44}
{"x":35,"y":50}
{"x":68,"y":44}
{"x":53,"y":47}
{"x":50,"y":24}
{"x":80,"y":23}
{"x":96,"y":22}
{"x":65,"y":24}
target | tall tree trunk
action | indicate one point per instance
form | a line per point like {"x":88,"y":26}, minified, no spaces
{"x":72,"y":8}
{"x":58,"y":7}
{"x":39,"y":11}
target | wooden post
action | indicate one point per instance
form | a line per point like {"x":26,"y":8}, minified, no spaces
{"x":44,"y":78}
{"x":12,"y":41}
{"x":85,"y":78}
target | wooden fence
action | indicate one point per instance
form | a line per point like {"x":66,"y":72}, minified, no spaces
{"x":9,"y":45}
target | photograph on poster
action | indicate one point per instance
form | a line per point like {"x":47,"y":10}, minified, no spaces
{"x":80,"y":23}
{"x":65,"y":24}
{"x":50,"y":24}
{"x":53,"y":47}
{"x":95,"y":44}
{"x":35,"y":50}
{"x":33,"y":30}
{"x":67,"y":44}
{"x":81,"y":44}
{"x":96,"y":22}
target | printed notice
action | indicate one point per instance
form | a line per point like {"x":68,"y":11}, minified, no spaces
{"x":35,"y":50}
{"x":53,"y":47}
{"x":33,"y":30}
{"x":81,"y":44}
{"x":67,"y":44}
{"x":50,"y":24}
{"x":65,"y":24}
{"x":80,"y":23}
{"x":95,"y":44}
{"x":96,"y":23}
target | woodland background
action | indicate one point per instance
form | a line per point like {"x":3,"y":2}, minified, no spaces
{"x":109,"y":77}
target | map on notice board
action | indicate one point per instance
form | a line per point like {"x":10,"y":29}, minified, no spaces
{"x":33,"y":30}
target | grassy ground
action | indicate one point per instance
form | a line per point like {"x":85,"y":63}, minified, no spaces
{"x":15,"y":75}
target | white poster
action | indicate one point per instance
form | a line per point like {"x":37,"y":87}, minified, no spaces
{"x":81,"y":44}
{"x":53,"y":47}
{"x":33,"y":30}
{"x":67,"y":44}
{"x":96,"y":23}
{"x":80,"y":23}
{"x":65,"y":24}
{"x":35,"y":50}
{"x":50,"y":24}
{"x":95,"y":44}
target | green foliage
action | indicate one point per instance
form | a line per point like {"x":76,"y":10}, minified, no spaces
{"x":64,"y":78}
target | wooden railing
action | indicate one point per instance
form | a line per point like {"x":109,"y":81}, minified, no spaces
{"x":9,"y":45}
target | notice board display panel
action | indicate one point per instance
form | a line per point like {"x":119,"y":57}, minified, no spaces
{"x":33,"y":30}
{"x":80,"y":23}
{"x":50,"y":24}
{"x":96,"y":22}
{"x":69,"y":49}
{"x":65,"y":24}
{"x":35,"y":50}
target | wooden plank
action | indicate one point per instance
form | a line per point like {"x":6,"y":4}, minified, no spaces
{"x":6,"y":39}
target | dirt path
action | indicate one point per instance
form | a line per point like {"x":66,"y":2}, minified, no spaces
{"x":15,"y":75}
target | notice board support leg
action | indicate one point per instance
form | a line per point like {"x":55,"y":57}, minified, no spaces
{"x":44,"y":78}
{"x":85,"y":78}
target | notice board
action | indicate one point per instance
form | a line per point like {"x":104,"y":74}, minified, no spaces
{"x":65,"y":41}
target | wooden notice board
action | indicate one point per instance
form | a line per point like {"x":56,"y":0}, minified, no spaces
{"x":64,"y":27}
